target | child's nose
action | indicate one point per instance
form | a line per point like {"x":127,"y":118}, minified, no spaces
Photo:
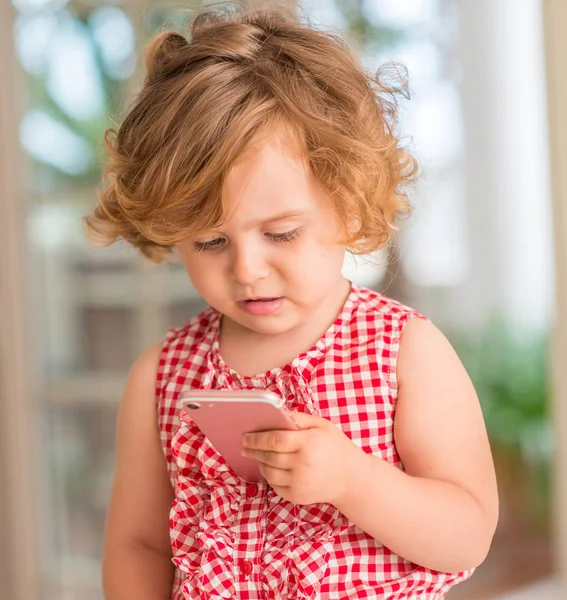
{"x":249,"y":265}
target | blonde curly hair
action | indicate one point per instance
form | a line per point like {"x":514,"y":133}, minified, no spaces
{"x":208,"y":99}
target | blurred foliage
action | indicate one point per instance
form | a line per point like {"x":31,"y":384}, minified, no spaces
{"x":90,"y":130}
{"x":511,"y":375}
{"x":171,"y":16}
{"x":115,"y":91}
{"x":370,"y":35}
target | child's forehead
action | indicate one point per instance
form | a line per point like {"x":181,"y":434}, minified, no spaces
{"x":270,"y":207}
{"x":281,"y":152}
{"x":270,"y":188}
{"x":274,"y":178}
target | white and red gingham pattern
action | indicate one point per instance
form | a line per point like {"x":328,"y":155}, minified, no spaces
{"x":231,"y":539}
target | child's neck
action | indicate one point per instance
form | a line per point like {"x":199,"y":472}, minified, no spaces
{"x":251,"y":353}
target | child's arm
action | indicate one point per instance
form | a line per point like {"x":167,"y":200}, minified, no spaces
{"x":137,"y":555}
{"x":442,"y":512}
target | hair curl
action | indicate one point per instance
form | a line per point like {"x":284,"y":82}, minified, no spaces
{"x":207,"y":100}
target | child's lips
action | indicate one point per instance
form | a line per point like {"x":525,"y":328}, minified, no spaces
{"x":259,"y":299}
{"x":261,"y":306}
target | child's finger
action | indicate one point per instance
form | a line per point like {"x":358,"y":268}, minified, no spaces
{"x":273,"y":441}
{"x":279,"y":460}
{"x":275,"y":477}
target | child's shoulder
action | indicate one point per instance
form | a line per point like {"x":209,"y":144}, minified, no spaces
{"x":195,"y":330}
{"x":191,"y":342}
{"x":373,"y":307}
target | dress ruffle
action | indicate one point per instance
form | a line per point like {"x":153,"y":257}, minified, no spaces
{"x":296,"y":541}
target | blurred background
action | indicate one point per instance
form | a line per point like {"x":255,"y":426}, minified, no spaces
{"x":477,"y":257}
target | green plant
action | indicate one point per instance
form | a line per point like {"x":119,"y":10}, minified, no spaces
{"x":511,"y":375}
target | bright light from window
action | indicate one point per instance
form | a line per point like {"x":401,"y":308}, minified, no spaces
{"x":114,"y":35}
{"x":34,"y":5}
{"x":53,"y":143}
{"x":438,"y":126}
{"x":368,"y":270}
{"x":323,"y":13}
{"x":400,"y":13}
{"x":53,"y":226}
{"x":73,"y":79}
{"x":33,"y":34}
{"x":423,"y":60}
{"x":435,"y":248}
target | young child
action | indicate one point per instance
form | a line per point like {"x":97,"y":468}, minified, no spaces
{"x":259,"y":151}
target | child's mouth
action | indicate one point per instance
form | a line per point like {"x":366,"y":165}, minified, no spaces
{"x":260,"y":306}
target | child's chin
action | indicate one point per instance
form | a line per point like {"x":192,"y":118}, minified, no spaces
{"x":271,"y":325}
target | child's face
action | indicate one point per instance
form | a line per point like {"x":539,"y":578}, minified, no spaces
{"x":275,"y":260}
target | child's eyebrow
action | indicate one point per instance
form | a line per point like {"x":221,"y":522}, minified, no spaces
{"x":271,"y":220}
{"x":284,"y":216}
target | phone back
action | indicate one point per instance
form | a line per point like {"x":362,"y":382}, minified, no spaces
{"x":223,"y":419}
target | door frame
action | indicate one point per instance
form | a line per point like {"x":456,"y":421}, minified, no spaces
{"x":555,"y":19}
{"x":19,"y":557}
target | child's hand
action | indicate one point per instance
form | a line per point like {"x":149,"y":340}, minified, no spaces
{"x":306,"y":466}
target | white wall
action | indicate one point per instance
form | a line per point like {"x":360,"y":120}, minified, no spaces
{"x":508,"y":203}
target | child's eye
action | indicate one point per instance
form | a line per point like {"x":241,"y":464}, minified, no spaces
{"x":288,"y":236}
{"x":210,"y":245}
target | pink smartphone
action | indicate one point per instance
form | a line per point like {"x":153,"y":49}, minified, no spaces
{"x":224,"y":416}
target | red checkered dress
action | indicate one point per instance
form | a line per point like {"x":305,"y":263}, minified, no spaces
{"x":236,"y":540}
